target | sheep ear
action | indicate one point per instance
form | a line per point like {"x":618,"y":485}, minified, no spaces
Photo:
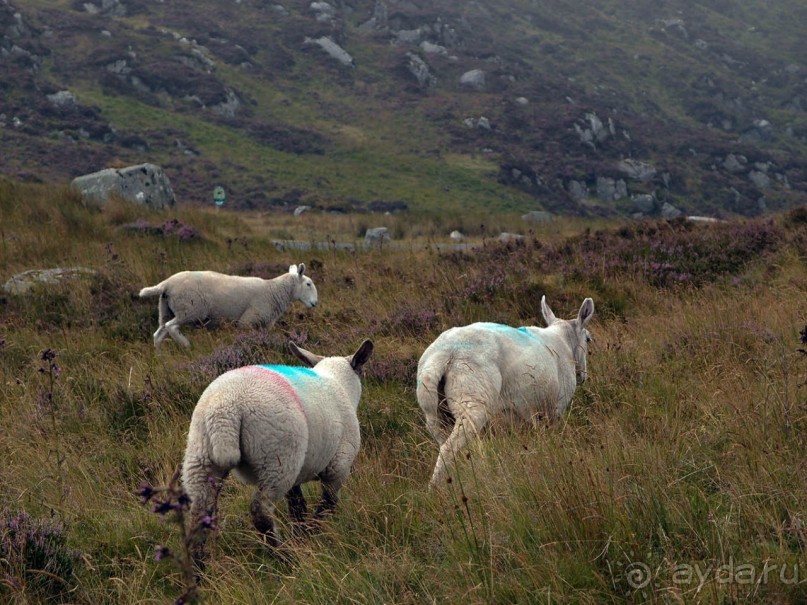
{"x":301,"y":269}
{"x":293,"y":269}
{"x":549,"y":316}
{"x":307,"y":357}
{"x":586,"y":312}
{"x":360,"y":357}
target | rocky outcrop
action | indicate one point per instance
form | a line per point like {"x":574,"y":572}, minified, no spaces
{"x":24,"y":282}
{"x":420,"y":70}
{"x":144,"y":184}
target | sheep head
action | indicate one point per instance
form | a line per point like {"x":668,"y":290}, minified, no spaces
{"x":304,"y":289}
{"x":577,"y":333}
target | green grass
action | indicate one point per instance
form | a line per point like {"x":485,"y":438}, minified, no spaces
{"x":682,"y":456}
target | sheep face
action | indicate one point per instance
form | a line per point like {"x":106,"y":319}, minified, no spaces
{"x":304,"y":289}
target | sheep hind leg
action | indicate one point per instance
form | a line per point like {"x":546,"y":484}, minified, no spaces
{"x":468,"y":424}
{"x":262,"y":510}
{"x":298,"y":510}
{"x":172,"y":327}
{"x":165,"y":313}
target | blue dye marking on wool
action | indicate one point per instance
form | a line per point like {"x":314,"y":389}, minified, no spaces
{"x":290,"y":372}
{"x":519,"y":334}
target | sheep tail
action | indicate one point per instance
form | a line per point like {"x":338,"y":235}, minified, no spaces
{"x":225,"y":443}
{"x":431,"y":391}
{"x":152,"y":291}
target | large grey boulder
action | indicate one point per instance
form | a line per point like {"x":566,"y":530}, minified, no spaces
{"x":636,"y":170}
{"x":760,"y":179}
{"x":145,"y":184}
{"x":644,"y":203}
{"x":474,"y":79}
{"x":376,"y":236}
{"x":24,"y":282}
{"x":577,"y":190}
{"x":668,"y":211}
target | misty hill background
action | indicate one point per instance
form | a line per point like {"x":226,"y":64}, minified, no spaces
{"x":587,"y":108}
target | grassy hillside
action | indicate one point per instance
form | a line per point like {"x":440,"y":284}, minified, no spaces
{"x":676,"y":476}
{"x":235,"y":95}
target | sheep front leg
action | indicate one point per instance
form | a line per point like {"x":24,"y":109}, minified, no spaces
{"x":469,"y":424}
{"x":250,"y":318}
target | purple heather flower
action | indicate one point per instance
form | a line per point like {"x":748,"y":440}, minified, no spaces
{"x":161,"y":552}
{"x":146,"y":492}
{"x":162,"y":508}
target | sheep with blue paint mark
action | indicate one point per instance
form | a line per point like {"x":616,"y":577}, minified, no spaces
{"x":471,"y":374}
{"x":198,"y":296}
{"x":276,"y":427}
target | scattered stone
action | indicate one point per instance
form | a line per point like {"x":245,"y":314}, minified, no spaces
{"x":537,"y":216}
{"x":64,"y":99}
{"x":433,"y":49}
{"x":510,"y":237}
{"x":704,"y":219}
{"x":456,"y":236}
{"x":735,"y":163}
{"x":333,"y":49}
{"x":300,"y":209}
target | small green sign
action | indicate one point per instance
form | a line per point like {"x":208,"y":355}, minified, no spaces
{"x":219,"y":196}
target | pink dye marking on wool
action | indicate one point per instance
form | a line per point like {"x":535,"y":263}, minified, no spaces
{"x":279,"y":380}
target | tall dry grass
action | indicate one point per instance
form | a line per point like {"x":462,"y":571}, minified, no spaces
{"x":678,"y":475}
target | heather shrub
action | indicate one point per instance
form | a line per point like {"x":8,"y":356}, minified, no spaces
{"x":667,"y":254}
{"x":35,"y":559}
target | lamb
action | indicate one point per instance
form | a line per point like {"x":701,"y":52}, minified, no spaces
{"x":276,"y":427}
{"x":472,"y":373}
{"x":195,"y":296}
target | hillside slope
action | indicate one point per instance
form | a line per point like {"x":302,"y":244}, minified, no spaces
{"x":587,"y":108}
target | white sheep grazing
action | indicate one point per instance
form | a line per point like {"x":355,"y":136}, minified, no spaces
{"x":276,"y":427}
{"x":470,"y":374}
{"x":196,"y":296}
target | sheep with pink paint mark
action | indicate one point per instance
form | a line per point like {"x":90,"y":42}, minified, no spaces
{"x":276,"y":427}
{"x":472,"y":373}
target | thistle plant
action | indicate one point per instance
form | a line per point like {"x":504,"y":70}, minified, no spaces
{"x":172,"y":503}
{"x":47,"y":405}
